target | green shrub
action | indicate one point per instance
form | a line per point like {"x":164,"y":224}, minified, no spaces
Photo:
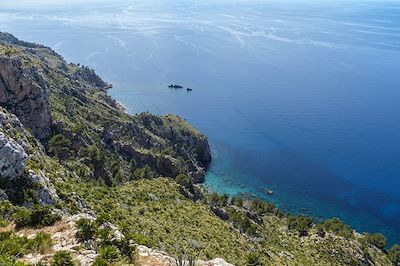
{"x":37,"y":216}
{"x":6,"y":260}
{"x":13,"y":246}
{"x":336,"y":226}
{"x":394,"y":255}
{"x":253,"y":259}
{"x":86,"y":230}
{"x":301,"y":224}
{"x":217,"y":200}
{"x":41,"y":243}
{"x":261,"y":207}
{"x":242,"y":222}
{"x":100,"y":262}
{"x":102,"y":218}
{"x":109,"y":253}
{"x":142,"y":240}
{"x":105,"y":235}
{"x":59,"y":146}
{"x":238,"y":201}
{"x":378,"y":240}
{"x":183,"y":180}
{"x":127,"y":250}
{"x":5,"y":235}
{"x":320,"y":229}
{"x":62,"y":258}
{"x":3,"y":223}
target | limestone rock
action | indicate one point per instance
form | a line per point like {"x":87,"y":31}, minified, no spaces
{"x":12,"y":158}
{"x":45,"y":192}
{"x":23,"y":92}
{"x":214,"y":262}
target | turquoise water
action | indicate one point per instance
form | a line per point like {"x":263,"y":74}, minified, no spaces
{"x":301,"y":97}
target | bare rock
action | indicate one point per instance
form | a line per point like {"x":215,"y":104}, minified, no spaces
{"x":12,"y":158}
{"x":23,"y":92}
{"x":45,"y":192}
{"x":214,"y":262}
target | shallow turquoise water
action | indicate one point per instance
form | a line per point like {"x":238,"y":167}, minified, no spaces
{"x":301,"y":97}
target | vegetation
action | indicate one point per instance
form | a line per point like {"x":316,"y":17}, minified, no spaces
{"x":394,"y":255}
{"x":301,"y":224}
{"x":41,"y":243}
{"x":37,"y":216}
{"x":62,"y":258}
{"x":336,"y":226}
{"x":85,"y":230}
{"x":253,"y":259}
{"x":13,"y":247}
{"x":183,"y":180}
{"x":378,"y":240}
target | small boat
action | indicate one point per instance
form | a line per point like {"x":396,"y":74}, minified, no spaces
{"x":269,"y":192}
{"x":175,"y":86}
{"x":189,"y":89}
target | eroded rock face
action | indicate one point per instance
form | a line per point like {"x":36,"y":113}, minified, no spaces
{"x":23,"y":93}
{"x":12,"y":158}
{"x":45,"y":192}
{"x":14,"y":154}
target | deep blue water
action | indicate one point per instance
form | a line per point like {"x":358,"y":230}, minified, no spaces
{"x":301,"y":97}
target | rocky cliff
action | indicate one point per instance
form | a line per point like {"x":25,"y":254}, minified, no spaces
{"x":66,"y":107}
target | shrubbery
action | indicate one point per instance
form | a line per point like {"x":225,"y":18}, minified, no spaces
{"x":13,"y":247}
{"x":110,"y":249}
{"x":242,"y":222}
{"x":218,"y":200}
{"x":262,"y":207}
{"x":86,"y":230}
{"x":378,"y":240}
{"x":62,"y":258}
{"x":183,"y":180}
{"x":394,"y":255}
{"x":336,"y":226}
{"x":41,"y":243}
{"x":301,"y":224}
{"x":59,"y":146}
{"x":253,"y":259}
{"x":37,"y":216}
{"x":109,"y":253}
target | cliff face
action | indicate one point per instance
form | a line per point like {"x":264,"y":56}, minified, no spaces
{"x":16,"y":147}
{"x":23,"y":92}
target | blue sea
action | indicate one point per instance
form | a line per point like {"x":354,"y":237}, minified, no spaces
{"x":299,"y":97}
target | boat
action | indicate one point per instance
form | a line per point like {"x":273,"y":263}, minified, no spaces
{"x":189,"y":89}
{"x":175,"y":86}
{"x":269,"y":192}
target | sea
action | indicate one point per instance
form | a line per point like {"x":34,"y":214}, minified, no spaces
{"x":301,"y":97}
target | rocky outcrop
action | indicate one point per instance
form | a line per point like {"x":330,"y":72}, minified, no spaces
{"x":14,"y":154}
{"x":12,"y":158}
{"x":151,"y":257}
{"x":23,"y":92}
{"x":63,"y":237}
{"x":45,"y":192}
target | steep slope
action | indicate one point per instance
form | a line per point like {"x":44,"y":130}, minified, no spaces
{"x":69,"y":150}
{"x":66,"y":107}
